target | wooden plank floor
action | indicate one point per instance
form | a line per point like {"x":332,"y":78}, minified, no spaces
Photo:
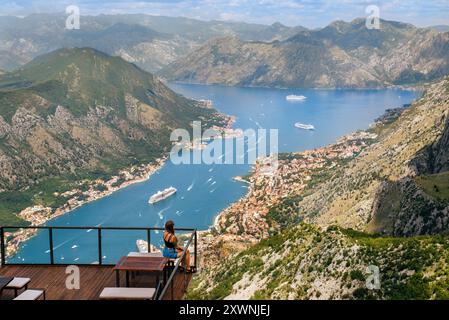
{"x":92,"y":281}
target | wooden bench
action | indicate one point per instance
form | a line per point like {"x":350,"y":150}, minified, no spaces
{"x":18,"y":284}
{"x":31,"y":294}
{"x":128,"y":294}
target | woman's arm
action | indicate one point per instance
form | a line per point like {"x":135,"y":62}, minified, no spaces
{"x":175,"y":241}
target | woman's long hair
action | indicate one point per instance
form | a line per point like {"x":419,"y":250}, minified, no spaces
{"x":170,"y":226}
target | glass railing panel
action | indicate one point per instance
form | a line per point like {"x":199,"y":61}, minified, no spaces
{"x":27,"y":246}
{"x":75,"y":246}
{"x":118,"y":243}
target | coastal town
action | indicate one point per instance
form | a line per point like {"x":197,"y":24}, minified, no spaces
{"x":215,"y":132}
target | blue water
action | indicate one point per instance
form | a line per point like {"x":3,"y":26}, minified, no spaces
{"x":205,"y":190}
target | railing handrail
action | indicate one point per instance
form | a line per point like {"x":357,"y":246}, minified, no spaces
{"x":175,"y":269}
{"x":93,"y":228}
{"x":99,"y":228}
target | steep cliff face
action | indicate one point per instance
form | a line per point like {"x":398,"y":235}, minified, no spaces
{"x":340,"y":55}
{"x":405,"y":208}
{"x":441,"y":155}
{"x":435,"y":158}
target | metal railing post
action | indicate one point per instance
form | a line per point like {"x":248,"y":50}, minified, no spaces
{"x":196,"y":249}
{"x":2,"y":246}
{"x":100,"y":251}
{"x":149,"y":240}
{"x":50,"y":238}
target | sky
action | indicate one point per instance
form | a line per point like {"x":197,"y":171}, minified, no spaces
{"x":308,"y":13}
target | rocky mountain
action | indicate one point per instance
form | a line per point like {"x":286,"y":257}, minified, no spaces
{"x":340,"y":55}
{"x":394,"y":191}
{"x":151,"y":42}
{"x":81,"y":113}
{"x":307,"y":263}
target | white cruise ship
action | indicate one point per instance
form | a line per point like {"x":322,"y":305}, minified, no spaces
{"x":162,"y":195}
{"x":295,"y":98}
{"x":304,"y":126}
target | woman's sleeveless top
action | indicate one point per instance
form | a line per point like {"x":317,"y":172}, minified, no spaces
{"x":169,"y":240}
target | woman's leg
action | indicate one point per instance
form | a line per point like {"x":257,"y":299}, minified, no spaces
{"x":187,"y":259}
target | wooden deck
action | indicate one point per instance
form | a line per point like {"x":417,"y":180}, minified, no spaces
{"x":92,"y":281}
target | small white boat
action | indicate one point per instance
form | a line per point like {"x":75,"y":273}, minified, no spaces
{"x":293,"y":97}
{"x":142,"y":246}
{"x":304,"y":126}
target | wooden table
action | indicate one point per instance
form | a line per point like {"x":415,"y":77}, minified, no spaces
{"x":144,"y":264}
{"x":4,"y":281}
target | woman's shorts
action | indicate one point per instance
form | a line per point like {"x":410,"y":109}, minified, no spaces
{"x":170,"y":253}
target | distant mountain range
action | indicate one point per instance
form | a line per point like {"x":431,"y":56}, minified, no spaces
{"x":339,"y":55}
{"x":79,"y":111}
{"x":149,"y":41}
{"x":343,"y":54}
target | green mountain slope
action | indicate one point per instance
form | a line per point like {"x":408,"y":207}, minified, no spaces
{"x":308,"y":263}
{"x":340,"y":55}
{"x":85,"y":77}
{"x":79,"y":113}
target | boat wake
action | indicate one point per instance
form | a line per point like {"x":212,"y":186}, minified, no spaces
{"x":191,"y":186}
{"x":63,"y":243}
{"x":179,"y":213}
{"x":161,"y":213}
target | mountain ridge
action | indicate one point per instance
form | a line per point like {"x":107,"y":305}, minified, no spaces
{"x":341,"y":55}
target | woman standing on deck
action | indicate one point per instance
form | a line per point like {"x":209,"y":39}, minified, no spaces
{"x":172,"y":250}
